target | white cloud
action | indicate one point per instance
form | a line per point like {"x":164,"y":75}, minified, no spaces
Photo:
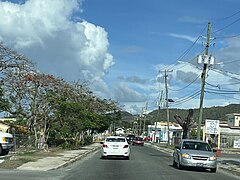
{"x":229,"y":56}
{"x":125,"y":94}
{"x":44,"y":31}
{"x":181,"y":36}
{"x":190,"y":19}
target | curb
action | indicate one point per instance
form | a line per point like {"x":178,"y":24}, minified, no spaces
{"x":72,"y":160}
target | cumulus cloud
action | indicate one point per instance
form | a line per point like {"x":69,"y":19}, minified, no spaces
{"x":125,"y":94}
{"x":133,"y":79}
{"x":44,"y":31}
{"x":229,"y":56}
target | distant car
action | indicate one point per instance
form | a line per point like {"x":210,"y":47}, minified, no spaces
{"x":194,"y":153}
{"x":115,"y":146}
{"x":130,"y":138}
{"x":148,"y":138}
{"x":138,"y":141}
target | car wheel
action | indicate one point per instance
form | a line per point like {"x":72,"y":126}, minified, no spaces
{"x":214,"y":170}
{"x":1,"y":150}
{"x":174,"y":163}
{"x":103,"y":157}
{"x":5,"y":152}
{"x":179,"y":166}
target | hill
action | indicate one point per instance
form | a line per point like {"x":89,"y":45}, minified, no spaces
{"x":218,"y":112}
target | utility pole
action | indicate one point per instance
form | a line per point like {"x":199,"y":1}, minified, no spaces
{"x":203,"y":83}
{"x":145,"y":116}
{"x":158,"y":115}
{"x":166,"y":87}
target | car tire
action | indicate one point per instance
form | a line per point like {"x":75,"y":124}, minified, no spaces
{"x":174,"y":163}
{"x":103,"y":157}
{"x":5,"y":152}
{"x":1,"y":150}
{"x":214,"y":170}
{"x":179,"y":166}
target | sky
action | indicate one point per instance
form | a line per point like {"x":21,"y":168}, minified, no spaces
{"x":122,"y":48}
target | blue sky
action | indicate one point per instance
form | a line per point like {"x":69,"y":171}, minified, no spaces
{"x":121,"y":47}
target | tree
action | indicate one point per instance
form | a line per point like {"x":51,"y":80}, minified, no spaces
{"x":186,"y":124}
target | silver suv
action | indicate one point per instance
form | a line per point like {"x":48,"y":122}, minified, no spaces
{"x":194,"y":153}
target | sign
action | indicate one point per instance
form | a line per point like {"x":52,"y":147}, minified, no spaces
{"x":212,"y":126}
{"x":236,"y":144}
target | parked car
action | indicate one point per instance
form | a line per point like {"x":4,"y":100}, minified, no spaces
{"x":148,"y":138}
{"x":138,"y":141}
{"x":130,"y":138}
{"x":115,"y":146}
{"x":194,"y":153}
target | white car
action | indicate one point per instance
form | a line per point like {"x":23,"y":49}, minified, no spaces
{"x":115,"y":146}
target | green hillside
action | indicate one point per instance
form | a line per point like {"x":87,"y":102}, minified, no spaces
{"x":218,"y":113}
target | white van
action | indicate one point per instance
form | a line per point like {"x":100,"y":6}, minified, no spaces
{"x":6,"y":143}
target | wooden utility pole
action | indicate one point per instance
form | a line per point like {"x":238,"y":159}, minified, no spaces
{"x":158,"y":117}
{"x":145,"y":116}
{"x":203,"y":83}
{"x":166,"y":87}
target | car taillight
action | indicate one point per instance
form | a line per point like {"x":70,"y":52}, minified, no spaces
{"x":125,"y":146}
{"x":104,"y":145}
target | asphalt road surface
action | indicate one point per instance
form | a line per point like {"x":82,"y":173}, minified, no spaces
{"x":145,"y":163}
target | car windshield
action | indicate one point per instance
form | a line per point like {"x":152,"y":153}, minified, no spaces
{"x":138,"y":138}
{"x":115,"y":140}
{"x":196,"y":146}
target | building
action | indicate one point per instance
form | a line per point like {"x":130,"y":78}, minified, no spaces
{"x":233,"y":119}
{"x":4,"y":124}
{"x":161,"y":129}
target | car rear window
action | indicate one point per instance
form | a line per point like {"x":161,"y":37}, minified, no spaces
{"x":115,"y":139}
{"x":196,"y":146}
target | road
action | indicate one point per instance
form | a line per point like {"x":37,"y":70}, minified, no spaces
{"x":145,"y":163}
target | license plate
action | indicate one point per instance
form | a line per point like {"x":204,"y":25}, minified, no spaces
{"x":199,"y":164}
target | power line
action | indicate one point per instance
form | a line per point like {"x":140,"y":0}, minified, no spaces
{"x":223,"y":91}
{"x":187,"y":50}
{"x":226,"y":73}
{"x":238,"y":19}
{"x":225,"y":37}
{"x":186,"y":99}
{"x":227,"y":17}
{"x":229,"y":62}
{"x":224,"y":96}
{"x":187,"y":85}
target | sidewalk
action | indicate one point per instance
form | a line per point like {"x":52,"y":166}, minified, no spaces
{"x":62,"y":159}
{"x":225,"y":162}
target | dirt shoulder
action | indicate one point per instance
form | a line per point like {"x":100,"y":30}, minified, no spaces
{"x":16,"y":159}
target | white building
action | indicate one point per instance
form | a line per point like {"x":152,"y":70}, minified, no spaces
{"x":233,"y":119}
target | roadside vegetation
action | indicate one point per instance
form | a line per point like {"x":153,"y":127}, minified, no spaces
{"x":48,"y":110}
